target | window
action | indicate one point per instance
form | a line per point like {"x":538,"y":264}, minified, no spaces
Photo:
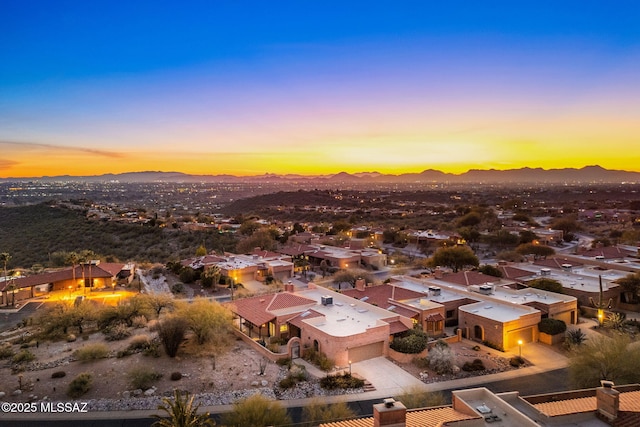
{"x":450,"y":313}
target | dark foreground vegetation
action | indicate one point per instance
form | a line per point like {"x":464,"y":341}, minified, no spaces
{"x":37,"y":234}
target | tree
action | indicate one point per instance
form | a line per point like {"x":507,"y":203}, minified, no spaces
{"x":456,"y":257}
{"x":604,"y":358}
{"x":5,"y":258}
{"x":546,"y":285}
{"x":72,"y":259}
{"x":262,"y":239}
{"x":318,"y":412}
{"x":210,"y":277}
{"x":567,"y":224}
{"x":247,"y":228}
{"x":157,"y":302}
{"x":182,"y":412}
{"x":631,"y":286}
{"x":324,"y":266}
{"x":536,"y":250}
{"x":256,"y":411}
{"x":527,"y":236}
{"x":350,"y":276}
{"x":201,"y":251}
{"x":206,"y":319}
{"x":470,"y":220}
{"x":490,"y":270}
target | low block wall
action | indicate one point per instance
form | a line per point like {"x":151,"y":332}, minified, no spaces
{"x":273,"y":357}
{"x":551,"y":339}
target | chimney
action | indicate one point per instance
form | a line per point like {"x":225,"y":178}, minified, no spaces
{"x":608,"y":400}
{"x":288,"y":287}
{"x":438,"y":273}
{"x":390,"y":414}
{"x":360,"y":284}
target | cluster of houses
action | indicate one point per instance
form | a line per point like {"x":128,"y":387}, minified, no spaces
{"x":607,"y":405}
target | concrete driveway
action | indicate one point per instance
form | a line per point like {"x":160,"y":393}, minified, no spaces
{"x":388,"y":378}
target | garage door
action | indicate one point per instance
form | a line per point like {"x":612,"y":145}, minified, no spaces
{"x":369,"y":351}
{"x":526,"y":335}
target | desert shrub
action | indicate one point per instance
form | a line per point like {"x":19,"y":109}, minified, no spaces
{"x":552,"y":326}
{"x":80,"y":385}
{"x":59,"y":374}
{"x":117,"y":332}
{"x":288,"y":382}
{"x":171,"y":332}
{"x":23,"y":356}
{"x":284,"y":362}
{"x":574,"y":337}
{"x":516,"y":361}
{"x":318,"y":359}
{"x":273,"y":348}
{"x":6,"y":351}
{"x":440,"y":359}
{"x":153,"y":349}
{"x":139,"y":342}
{"x":415,"y":342}
{"x":177,"y":288}
{"x":344,"y":381}
{"x":476,"y":365}
{"x":143,"y":377}
{"x":91,"y":352}
{"x":139,"y":322}
{"x":175,"y":376}
{"x":421,"y":362}
{"x":415,"y":397}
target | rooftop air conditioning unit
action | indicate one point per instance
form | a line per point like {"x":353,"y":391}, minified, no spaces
{"x":434,"y":290}
{"x":545,"y":272}
{"x":326,"y":300}
{"x":485,"y":289}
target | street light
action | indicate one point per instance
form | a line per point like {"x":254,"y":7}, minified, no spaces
{"x":520,"y":348}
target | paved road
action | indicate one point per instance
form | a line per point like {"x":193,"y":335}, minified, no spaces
{"x":545,"y":382}
{"x":10,"y":319}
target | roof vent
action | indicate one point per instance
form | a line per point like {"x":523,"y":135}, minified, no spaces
{"x":485,"y":289}
{"x":389,"y":402}
{"x":326,"y":300}
{"x":434,"y":290}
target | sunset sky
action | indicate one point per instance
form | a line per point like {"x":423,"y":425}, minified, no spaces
{"x":253,"y":87}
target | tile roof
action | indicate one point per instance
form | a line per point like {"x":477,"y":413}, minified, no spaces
{"x":258,"y":309}
{"x":381,"y":294}
{"x":510,"y":272}
{"x":629,"y":401}
{"x":609,"y":252}
{"x":287,"y":300}
{"x":396,"y":327}
{"x":435,"y":417}
{"x":467,"y":278}
{"x":556,"y":262}
{"x":96,"y":271}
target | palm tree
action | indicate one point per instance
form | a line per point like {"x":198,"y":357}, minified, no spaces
{"x":73,"y":258}
{"x":5,"y":258}
{"x":182,"y":412}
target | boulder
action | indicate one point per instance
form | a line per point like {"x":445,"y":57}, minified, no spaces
{"x":137,"y":392}
{"x":17,"y":392}
{"x":150,"y":392}
{"x":265,"y":383}
{"x":126,"y":394}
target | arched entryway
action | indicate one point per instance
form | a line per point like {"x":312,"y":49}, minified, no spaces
{"x":478,"y":333}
